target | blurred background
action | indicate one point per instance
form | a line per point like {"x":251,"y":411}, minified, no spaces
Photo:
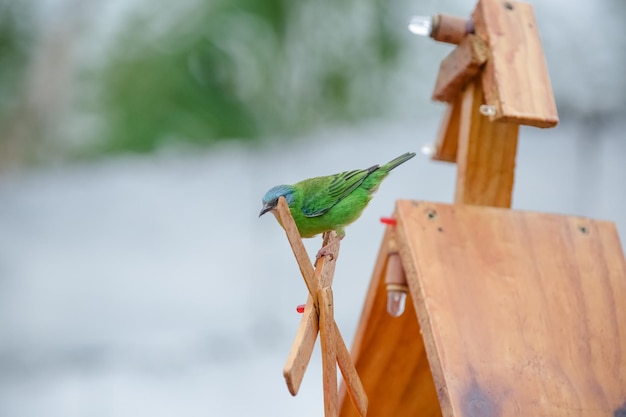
{"x":137,"y":138}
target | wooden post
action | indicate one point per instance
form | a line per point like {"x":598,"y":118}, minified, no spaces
{"x":447,"y":142}
{"x":329,"y":357}
{"x":486,"y":154}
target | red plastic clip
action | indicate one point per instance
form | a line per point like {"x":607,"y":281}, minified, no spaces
{"x":300,"y":308}
{"x":389,"y":221}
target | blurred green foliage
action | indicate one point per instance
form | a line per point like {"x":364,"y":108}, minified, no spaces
{"x":244,"y":69}
{"x":16,"y":39}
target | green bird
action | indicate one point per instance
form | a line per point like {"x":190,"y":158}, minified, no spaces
{"x":322,"y":204}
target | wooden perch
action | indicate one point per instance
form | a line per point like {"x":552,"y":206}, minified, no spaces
{"x":318,"y":316}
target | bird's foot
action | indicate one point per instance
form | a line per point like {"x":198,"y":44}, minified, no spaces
{"x":325,"y":251}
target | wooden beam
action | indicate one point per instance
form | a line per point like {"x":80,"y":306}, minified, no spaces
{"x":485,"y":156}
{"x":357,"y":393}
{"x":299,"y":251}
{"x":329,"y":354}
{"x":447,"y":142}
{"x":459,"y":67}
{"x":515,"y":78}
{"x":301,"y":348}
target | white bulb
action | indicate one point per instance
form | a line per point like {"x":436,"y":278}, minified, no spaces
{"x":396,"y":301}
{"x":421,"y":25}
{"x":427,"y":149}
{"x":487,"y":110}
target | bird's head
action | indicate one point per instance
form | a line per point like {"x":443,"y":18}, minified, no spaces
{"x":270,"y":199}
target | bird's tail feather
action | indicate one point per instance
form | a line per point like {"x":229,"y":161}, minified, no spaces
{"x":399,"y":160}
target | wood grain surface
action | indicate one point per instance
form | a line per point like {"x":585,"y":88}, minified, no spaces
{"x":329,"y":352}
{"x":447,"y":142}
{"x":515,"y":77}
{"x":485,"y":155}
{"x":521,"y":313}
{"x":459,"y":67}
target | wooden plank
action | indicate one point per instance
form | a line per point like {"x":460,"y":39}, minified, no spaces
{"x":515,"y":78}
{"x":459,"y":67}
{"x":522,"y":314}
{"x":388,"y":356}
{"x":329,"y":354}
{"x":299,"y":251}
{"x":350,"y":376}
{"x":447,"y":141}
{"x":485,"y":156}
{"x":301,"y":348}
{"x":327,"y":265}
{"x":354,"y":386}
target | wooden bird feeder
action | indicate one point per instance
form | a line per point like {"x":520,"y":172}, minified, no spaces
{"x":509,"y":313}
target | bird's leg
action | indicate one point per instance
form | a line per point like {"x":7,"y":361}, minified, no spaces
{"x":325,"y":250}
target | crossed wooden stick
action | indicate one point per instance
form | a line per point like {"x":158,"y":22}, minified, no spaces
{"x":318,"y":317}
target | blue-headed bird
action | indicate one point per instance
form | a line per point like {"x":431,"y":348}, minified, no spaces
{"x":332,"y":202}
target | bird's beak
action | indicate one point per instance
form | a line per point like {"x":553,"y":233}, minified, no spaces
{"x":265,"y":209}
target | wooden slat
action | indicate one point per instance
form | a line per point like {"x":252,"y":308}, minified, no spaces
{"x":329,"y":353}
{"x":300,"y":355}
{"x":447,"y":142}
{"x":485,"y":156}
{"x":301,"y":348}
{"x":350,"y":376}
{"x":389,"y":356}
{"x":299,"y":251}
{"x":515,"y":78}
{"x":522,"y":314}
{"x":327,"y":265}
{"x":459,"y":67}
